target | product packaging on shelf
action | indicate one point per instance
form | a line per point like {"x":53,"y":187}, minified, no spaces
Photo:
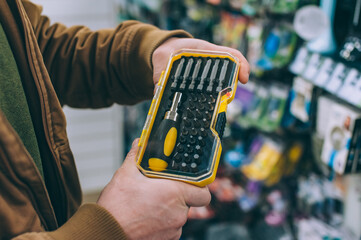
{"x":335,"y":77}
{"x":181,"y":138}
{"x":301,"y":97}
{"x":261,"y":105}
{"x":341,"y":139}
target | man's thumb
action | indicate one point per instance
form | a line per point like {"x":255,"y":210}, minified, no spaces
{"x":130,"y":158}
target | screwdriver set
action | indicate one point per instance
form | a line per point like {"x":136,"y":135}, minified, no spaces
{"x":181,"y":138}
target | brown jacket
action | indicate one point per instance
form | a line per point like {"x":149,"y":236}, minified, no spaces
{"x":87,"y":69}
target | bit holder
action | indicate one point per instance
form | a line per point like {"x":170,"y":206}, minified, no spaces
{"x":206,"y":82}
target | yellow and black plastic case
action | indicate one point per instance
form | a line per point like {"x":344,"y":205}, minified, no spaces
{"x":181,"y":138}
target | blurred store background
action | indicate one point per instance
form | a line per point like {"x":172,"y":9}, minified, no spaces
{"x":291,"y":161}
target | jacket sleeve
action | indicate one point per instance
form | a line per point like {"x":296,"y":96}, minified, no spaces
{"x":90,"y":222}
{"x":97,"y":68}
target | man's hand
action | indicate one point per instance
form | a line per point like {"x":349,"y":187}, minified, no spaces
{"x":161,"y":55}
{"x":149,"y":208}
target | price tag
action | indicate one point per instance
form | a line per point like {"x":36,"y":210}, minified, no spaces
{"x":337,"y":78}
{"x":325,"y":72}
{"x":313,"y":67}
{"x":300,"y":61}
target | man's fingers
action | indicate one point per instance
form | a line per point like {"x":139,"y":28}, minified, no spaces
{"x":244,"y":66}
{"x":160,"y":56}
{"x":244,"y":71}
{"x":196,"y":196}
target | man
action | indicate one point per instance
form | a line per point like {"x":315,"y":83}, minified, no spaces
{"x":39,"y":189}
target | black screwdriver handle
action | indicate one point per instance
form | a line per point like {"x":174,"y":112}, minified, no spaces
{"x":163,"y":144}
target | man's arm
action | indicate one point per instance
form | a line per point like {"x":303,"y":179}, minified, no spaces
{"x":97,"y":68}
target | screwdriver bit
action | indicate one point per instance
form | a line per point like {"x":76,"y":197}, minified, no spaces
{"x":186,"y":74}
{"x":213,"y":76}
{"x":195,"y":74}
{"x":222,"y":76}
{"x":177,"y":74}
{"x":204,"y":75}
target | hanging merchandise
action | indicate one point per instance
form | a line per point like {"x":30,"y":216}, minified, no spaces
{"x":288,"y":120}
{"x":254,"y":37}
{"x":278,"y":48}
{"x":352,"y":211}
{"x":326,"y":43}
{"x":146,"y":11}
{"x":351,"y":49}
{"x":323,"y":114}
{"x":324,"y":111}
{"x":264,"y":161}
{"x":329,"y":74}
{"x":282,"y":6}
{"x":301,"y":97}
{"x":334,"y":77}
{"x":263,"y":158}
{"x":240,"y":155}
{"x":276,"y":173}
{"x":317,"y":65}
{"x":260,"y":105}
{"x":292,"y":155}
{"x":253,"y":7}
{"x":273,"y":114}
{"x":226,"y":231}
{"x":230,"y":31}
{"x":172,"y":14}
{"x":250,"y":7}
{"x":250,"y":99}
{"x":251,"y":196}
{"x":236,"y":157}
{"x":320,"y":198}
{"x":321,"y":209}
{"x":225,"y":190}
{"x":152,"y":5}
{"x":277,"y":215}
{"x":312,"y":228}
{"x":236,"y":4}
{"x":199,"y":19}
{"x":323,"y":212}
{"x":350,"y":90}
{"x":286,"y":166}
{"x":300,"y":61}
{"x":257,"y":106}
{"x":310,"y":22}
{"x":337,"y":78}
{"x":341,"y":139}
